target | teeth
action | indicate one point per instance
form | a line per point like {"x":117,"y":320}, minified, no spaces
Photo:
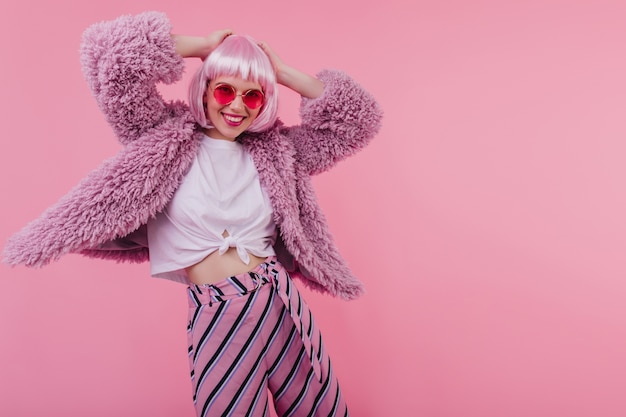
{"x":233,"y":118}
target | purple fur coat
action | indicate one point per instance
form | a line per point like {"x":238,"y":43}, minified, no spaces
{"x":123,"y":60}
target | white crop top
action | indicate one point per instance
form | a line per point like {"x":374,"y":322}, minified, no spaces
{"x":220,"y":204}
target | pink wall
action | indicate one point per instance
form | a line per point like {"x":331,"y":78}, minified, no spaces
{"x":487,"y":219}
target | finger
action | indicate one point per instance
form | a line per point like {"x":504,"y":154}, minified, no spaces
{"x":226,"y":33}
{"x":265,"y":46}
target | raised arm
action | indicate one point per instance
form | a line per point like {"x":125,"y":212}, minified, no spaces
{"x":123,"y":60}
{"x":199,"y":46}
{"x":338,"y":116}
{"x":292,"y":78}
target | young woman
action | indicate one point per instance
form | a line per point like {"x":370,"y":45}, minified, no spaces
{"x":219,"y":191}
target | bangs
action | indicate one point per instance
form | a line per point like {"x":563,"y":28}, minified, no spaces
{"x":240,"y":56}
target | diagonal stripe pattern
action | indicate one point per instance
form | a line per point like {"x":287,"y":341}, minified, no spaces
{"x":254,"y":332}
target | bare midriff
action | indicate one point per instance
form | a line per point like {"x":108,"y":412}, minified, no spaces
{"x":216,"y":267}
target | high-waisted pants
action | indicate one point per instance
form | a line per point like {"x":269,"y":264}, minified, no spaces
{"x":253,"y":333}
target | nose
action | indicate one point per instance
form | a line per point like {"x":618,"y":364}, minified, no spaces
{"x":237,"y":103}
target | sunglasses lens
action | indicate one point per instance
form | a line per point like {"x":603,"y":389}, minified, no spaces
{"x":224,"y":94}
{"x":253,"y":99}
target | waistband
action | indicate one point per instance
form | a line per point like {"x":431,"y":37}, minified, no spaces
{"x":273,"y":273}
{"x":235,"y":286}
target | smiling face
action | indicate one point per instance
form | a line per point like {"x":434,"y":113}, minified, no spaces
{"x":230,"y":120}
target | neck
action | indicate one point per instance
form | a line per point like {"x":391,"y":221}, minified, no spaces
{"x":215,"y":134}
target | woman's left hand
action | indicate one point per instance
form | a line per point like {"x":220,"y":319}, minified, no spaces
{"x":301,"y":83}
{"x":277,"y":63}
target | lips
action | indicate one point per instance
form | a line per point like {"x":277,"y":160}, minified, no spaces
{"x":232,"y":120}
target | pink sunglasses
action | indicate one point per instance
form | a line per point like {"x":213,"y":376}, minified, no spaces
{"x":225,"y":94}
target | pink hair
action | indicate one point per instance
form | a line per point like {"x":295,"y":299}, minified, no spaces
{"x":239,"y":56}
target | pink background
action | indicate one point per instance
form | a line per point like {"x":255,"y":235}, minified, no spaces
{"x":487,"y":218}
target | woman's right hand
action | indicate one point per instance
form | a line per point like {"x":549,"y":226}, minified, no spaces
{"x":199,"y":46}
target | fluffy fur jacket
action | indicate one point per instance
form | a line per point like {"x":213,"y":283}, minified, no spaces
{"x":123,"y":60}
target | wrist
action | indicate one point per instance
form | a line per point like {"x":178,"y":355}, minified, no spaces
{"x":303,"y":84}
{"x":191,"y":46}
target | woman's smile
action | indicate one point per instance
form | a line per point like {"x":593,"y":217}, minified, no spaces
{"x":230,"y":120}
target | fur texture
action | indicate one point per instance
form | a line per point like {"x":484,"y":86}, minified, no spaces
{"x":123,"y":60}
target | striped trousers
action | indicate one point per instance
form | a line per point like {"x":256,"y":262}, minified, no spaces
{"x":253,"y":333}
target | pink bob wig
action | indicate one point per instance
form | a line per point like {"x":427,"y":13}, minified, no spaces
{"x":238,"y":56}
